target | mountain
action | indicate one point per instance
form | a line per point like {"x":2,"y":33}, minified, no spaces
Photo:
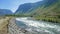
{"x":24,"y":8}
{"x":28,"y":7}
{"x":50,"y":11}
{"x":50,"y":8}
{"x":47,"y":5}
{"x":5,"y":12}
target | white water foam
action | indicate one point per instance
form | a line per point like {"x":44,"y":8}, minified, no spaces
{"x":38,"y":24}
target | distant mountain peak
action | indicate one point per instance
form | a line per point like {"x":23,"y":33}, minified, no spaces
{"x":5,"y":12}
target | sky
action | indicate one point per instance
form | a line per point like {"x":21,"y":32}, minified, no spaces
{"x":14,"y":4}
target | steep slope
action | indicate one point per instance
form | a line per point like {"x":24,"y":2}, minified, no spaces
{"x":48,"y":12}
{"x":48,"y":5}
{"x":24,"y":8}
{"x":5,"y":12}
{"x":28,"y":7}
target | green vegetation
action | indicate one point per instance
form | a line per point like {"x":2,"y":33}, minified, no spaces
{"x":18,"y":15}
{"x":50,"y":13}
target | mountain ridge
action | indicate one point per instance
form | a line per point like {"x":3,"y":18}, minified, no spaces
{"x":5,"y":12}
{"x":28,"y":7}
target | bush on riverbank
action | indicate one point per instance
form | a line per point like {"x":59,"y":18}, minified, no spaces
{"x":49,"y":19}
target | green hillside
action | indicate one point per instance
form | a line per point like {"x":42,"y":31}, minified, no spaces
{"x":50,"y":13}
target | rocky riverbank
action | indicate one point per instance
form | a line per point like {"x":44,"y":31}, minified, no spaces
{"x":4,"y":25}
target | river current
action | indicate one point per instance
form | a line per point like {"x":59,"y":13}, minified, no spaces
{"x":38,"y":27}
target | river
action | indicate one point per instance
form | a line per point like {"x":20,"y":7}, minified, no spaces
{"x":38,"y":27}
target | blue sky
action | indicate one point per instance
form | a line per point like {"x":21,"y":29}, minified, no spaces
{"x":13,"y":4}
